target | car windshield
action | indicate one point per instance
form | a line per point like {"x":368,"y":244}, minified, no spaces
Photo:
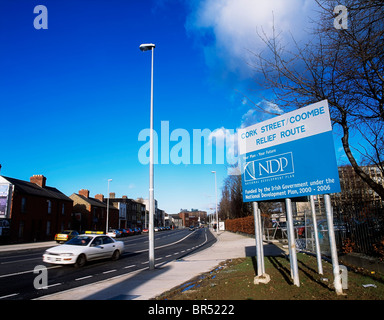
{"x":80,"y":241}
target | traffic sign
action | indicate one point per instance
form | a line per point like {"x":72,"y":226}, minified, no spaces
{"x":289,"y":156}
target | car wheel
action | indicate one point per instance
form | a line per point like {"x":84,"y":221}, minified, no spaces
{"x":116,"y":255}
{"x":81,"y":260}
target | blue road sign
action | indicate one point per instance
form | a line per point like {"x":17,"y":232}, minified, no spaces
{"x":289,"y":156}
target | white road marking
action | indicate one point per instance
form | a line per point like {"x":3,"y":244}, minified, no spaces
{"x":109,"y":271}
{"x":82,"y":278}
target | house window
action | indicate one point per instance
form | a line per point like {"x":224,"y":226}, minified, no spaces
{"x":21,"y":229}
{"x":49,"y":206}
{"x":48,"y":228}
{"x":63,"y":209}
{"x":23,"y":204}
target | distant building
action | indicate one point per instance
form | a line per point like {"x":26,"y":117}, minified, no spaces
{"x":175,"y":221}
{"x":131,"y":212}
{"x":32,"y":211}
{"x":91,"y":213}
{"x":194,"y":217}
{"x":355,"y":190}
{"x":159,"y":218}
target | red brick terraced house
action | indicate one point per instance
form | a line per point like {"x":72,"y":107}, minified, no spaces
{"x":91,"y":213}
{"x":32,"y":211}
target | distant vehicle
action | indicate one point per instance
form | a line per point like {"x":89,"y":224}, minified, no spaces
{"x":137,"y":230}
{"x":130,"y":231}
{"x":65,"y":235}
{"x":156,"y":229}
{"x":124,"y":232}
{"x":114,"y":233}
{"x":83,"y":248}
{"x":145,"y":230}
{"x":191,"y":228}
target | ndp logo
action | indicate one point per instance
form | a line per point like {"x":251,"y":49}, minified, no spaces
{"x":277,"y":165}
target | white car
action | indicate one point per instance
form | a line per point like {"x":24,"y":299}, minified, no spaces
{"x":114,"y":233}
{"x":83,"y":248}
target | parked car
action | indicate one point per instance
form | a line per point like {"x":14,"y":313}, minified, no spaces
{"x":130,"y":231}
{"x":65,"y":235}
{"x":145,"y":230}
{"x":114,"y":233}
{"x":137,"y":230}
{"x":83,"y":248}
{"x":124,"y":232}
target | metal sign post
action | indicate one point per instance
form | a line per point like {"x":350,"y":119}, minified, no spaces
{"x":261,"y":276}
{"x":292,"y":244}
{"x":259,"y":246}
{"x":332,"y":244}
{"x":261,"y":240}
{"x":316,"y":235}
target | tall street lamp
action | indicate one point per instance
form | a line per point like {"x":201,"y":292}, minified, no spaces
{"x":146,"y":47}
{"x":217,"y":214}
{"x":106,"y":226}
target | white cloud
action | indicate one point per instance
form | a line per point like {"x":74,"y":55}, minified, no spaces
{"x":225,"y":140}
{"x":228,"y":28}
{"x":249,"y":118}
{"x":218,"y":136}
{"x":261,"y":111}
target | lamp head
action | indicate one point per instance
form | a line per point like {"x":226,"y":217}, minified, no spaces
{"x":147,"y":46}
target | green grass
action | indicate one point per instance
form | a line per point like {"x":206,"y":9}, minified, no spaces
{"x":233,"y":280}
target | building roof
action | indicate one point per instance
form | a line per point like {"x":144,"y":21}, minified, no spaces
{"x":30,"y":188}
{"x":174,"y":216}
{"x":92,"y":201}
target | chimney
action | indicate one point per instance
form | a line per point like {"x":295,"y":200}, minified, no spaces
{"x":125,"y":197}
{"x":38,"y":179}
{"x":100,"y":197}
{"x":84,"y":193}
{"x":112,"y":195}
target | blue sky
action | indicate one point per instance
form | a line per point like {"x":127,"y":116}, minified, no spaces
{"x":74,"y":97}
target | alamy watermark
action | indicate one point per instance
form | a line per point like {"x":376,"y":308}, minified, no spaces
{"x":341,"y":20}
{"x":179,"y":146}
{"x":41,"y":20}
{"x":41,"y":280}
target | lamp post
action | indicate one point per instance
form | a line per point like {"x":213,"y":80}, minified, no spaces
{"x":217,"y":214}
{"x":146,"y":47}
{"x":106,"y":226}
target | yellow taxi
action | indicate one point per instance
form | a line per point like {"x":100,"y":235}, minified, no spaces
{"x":65,"y":235}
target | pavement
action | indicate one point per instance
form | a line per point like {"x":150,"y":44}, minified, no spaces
{"x":26,"y":246}
{"x":147,"y":284}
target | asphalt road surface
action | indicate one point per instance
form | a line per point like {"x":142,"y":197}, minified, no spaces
{"x":17,"y":267}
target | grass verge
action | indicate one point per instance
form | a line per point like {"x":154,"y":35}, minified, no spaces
{"x":233,"y":280}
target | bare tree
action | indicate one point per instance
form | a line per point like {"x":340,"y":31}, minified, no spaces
{"x":344,"y":66}
{"x":231,"y":204}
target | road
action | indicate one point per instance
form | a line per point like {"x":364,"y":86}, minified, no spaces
{"x":17,"y":267}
